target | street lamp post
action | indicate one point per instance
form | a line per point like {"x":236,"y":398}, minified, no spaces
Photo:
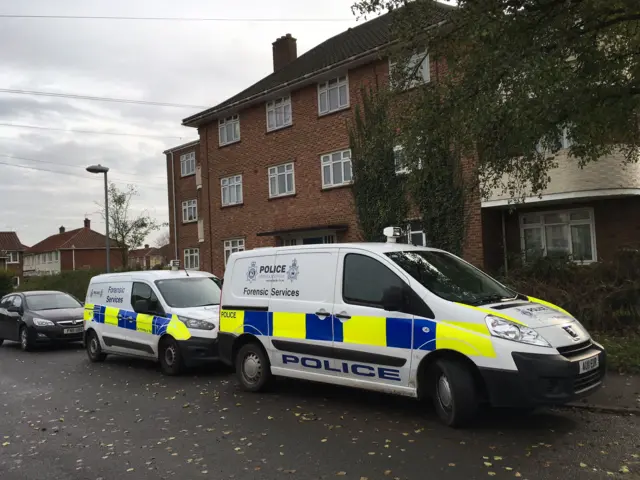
{"x":100,"y":169}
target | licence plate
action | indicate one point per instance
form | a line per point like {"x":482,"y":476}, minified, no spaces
{"x":589,"y":364}
{"x":68,"y":331}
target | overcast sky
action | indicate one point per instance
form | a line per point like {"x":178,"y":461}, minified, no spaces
{"x":194,"y":63}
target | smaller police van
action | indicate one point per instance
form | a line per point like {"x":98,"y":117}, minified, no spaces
{"x":401,"y":319}
{"x":171,"y":316}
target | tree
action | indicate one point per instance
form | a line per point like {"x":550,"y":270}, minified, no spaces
{"x":379,"y":194}
{"x":128,"y":231}
{"x":163,"y":239}
{"x":514,"y":76}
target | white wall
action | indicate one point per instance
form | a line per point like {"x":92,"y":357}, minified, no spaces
{"x":42,"y":263}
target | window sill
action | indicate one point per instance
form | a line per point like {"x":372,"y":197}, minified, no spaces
{"x":336,"y":187}
{"x":278,"y":197}
{"x":222,"y":145}
{"x":333,"y":112}
{"x":188,"y":175}
{"x":278,"y":129}
{"x":189,"y":221}
{"x":232,"y":205}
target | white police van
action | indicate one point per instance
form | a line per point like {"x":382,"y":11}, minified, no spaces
{"x":167,"y":315}
{"x":401,"y":319}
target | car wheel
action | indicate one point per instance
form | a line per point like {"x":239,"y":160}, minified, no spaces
{"x":1,"y":341}
{"x":94,"y":350}
{"x":253,"y":367}
{"x":26,"y":342}
{"x":454,"y":393}
{"x":171,"y":361}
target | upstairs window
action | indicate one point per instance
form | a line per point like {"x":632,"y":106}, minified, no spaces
{"x":333,"y":95}
{"x":336,"y":169}
{"x":190,"y":211}
{"x":13,"y":257}
{"x":188,"y":164}
{"x":231,"y":190}
{"x":281,"y":180}
{"x":278,"y":113}
{"x":229,"y":129}
{"x":410,"y":73}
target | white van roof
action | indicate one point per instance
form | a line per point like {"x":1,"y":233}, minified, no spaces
{"x":149,"y":275}
{"x":368,"y":246}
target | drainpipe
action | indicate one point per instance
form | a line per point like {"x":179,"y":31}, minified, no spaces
{"x":504,"y":245}
{"x":175,"y":223}
{"x":73,"y":255}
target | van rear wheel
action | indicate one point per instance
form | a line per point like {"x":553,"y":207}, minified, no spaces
{"x":170,"y":357}
{"x":454,"y":393}
{"x":253,"y":367}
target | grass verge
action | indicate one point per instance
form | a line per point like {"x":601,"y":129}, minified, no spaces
{"x":623,"y":352}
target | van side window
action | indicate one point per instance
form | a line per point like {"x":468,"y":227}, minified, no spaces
{"x":142,"y":291}
{"x":365,"y":281}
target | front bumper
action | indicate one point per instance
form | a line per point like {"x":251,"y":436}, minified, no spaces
{"x":56,"y":334}
{"x":197,"y":351}
{"x":545,"y":379}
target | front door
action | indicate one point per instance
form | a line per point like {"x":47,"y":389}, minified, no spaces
{"x":301,"y":307}
{"x":139,"y":324}
{"x":372,"y":346}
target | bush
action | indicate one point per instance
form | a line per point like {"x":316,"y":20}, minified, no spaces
{"x":74,"y":282}
{"x":6,"y":283}
{"x":604,"y":296}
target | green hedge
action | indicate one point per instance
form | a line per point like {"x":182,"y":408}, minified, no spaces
{"x":74,"y":282}
{"x":6,"y":282}
{"x":604,"y":296}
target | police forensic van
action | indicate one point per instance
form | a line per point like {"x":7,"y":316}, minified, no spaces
{"x":168,"y":316}
{"x":400,"y":319}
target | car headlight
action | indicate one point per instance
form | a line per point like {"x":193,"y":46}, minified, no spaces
{"x":41,"y":322}
{"x":197,"y":324}
{"x":499,"y":327}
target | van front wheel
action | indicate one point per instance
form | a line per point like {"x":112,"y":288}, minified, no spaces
{"x":253,"y":368}
{"x":454,"y":392}
{"x":170,"y":357}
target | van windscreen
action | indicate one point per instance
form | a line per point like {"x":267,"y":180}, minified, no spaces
{"x":189,"y":292}
{"x":450,"y":278}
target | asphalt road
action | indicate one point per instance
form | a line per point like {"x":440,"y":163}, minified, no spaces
{"x":64,"y":418}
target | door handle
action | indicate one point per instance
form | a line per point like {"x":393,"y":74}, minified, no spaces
{"x":322,"y":313}
{"x":343,"y":316}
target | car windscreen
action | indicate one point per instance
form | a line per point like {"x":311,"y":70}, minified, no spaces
{"x":51,"y":301}
{"x":189,"y":292}
{"x":450,"y":278}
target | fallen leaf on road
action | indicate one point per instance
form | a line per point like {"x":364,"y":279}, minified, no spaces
{"x":5,"y":444}
{"x":518,"y":474}
{"x":508,"y":468}
{"x":129,"y":469}
{"x":624,"y":469}
{"x":387,"y":472}
{"x":372,"y":453}
{"x":323,"y":440}
{"x":487,"y":464}
{"x":491,"y":474}
{"x":452,"y":464}
{"x":497,"y":458}
{"x":341,"y":474}
{"x":583,"y":465}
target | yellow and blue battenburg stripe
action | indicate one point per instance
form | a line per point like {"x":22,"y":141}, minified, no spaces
{"x":129,"y":320}
{"x":405,"y":333}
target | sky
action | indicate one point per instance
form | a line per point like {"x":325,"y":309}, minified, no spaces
{"x":191,"y":63}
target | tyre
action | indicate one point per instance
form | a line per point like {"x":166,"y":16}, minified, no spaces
{"x":253,"y":367}
{"x":94,"y":350}
{"x":1,"y":341}
{"x":454,"y":393}
{"x":170,"y":358}
{"x":26,"y":340}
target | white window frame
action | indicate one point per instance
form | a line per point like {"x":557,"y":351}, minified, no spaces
{"x":13,"y":257}
{"x":222,"y":127}
{"x":233,"y":245}
{"x":275,"y":105}
{"x":541,"y":226}
{"x":190,"y":211}
{"x":228,"y":183}
{"x":327,"y":159}
{"x":55,"y":256}
{"x":411,"y":64}
{"x":273,"y":173}
{"x":188,"y":164}
{"x":400,"y":170}
{"x":325,"y":88}
{"x":192,"y":258}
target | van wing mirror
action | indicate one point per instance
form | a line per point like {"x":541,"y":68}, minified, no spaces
{"x":142,"y":306}
{"x":393,"y":299}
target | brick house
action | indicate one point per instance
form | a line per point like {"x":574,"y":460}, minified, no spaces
{"x":147,"y":258}
{"x":272,"y":166}
{"x":12,"y":254}
{"x":79,"y":249}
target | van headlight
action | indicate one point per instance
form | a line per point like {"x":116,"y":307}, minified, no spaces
{"x":196,"y":324}
{"x":499,"y":327}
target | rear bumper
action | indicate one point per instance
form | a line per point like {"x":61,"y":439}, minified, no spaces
{"x":198,"y":351}
{"x":544,"y":379}
{"x":55,"y":334}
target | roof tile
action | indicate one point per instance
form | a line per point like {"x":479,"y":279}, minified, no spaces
{"x":10,"y":242}
{"x":78,"y":238}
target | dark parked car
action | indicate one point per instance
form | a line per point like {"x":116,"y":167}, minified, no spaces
{"x":40,"y":317}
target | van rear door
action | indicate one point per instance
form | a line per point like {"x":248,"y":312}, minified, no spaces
{"x":301,"y":306}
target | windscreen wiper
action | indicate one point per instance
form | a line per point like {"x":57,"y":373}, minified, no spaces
{"x":491,"y":299}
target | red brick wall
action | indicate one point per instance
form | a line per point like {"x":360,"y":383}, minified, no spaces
{"x":185,"y":190}
{"x":93,"y":258}
{"x":303,"y":143}
{"x":617,"y":225}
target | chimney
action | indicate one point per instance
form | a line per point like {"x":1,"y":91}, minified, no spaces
{"x":285,"y":51}
{"x":87,"y":223}
{"x":62,"y":230}
{"x":146,"y":246}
